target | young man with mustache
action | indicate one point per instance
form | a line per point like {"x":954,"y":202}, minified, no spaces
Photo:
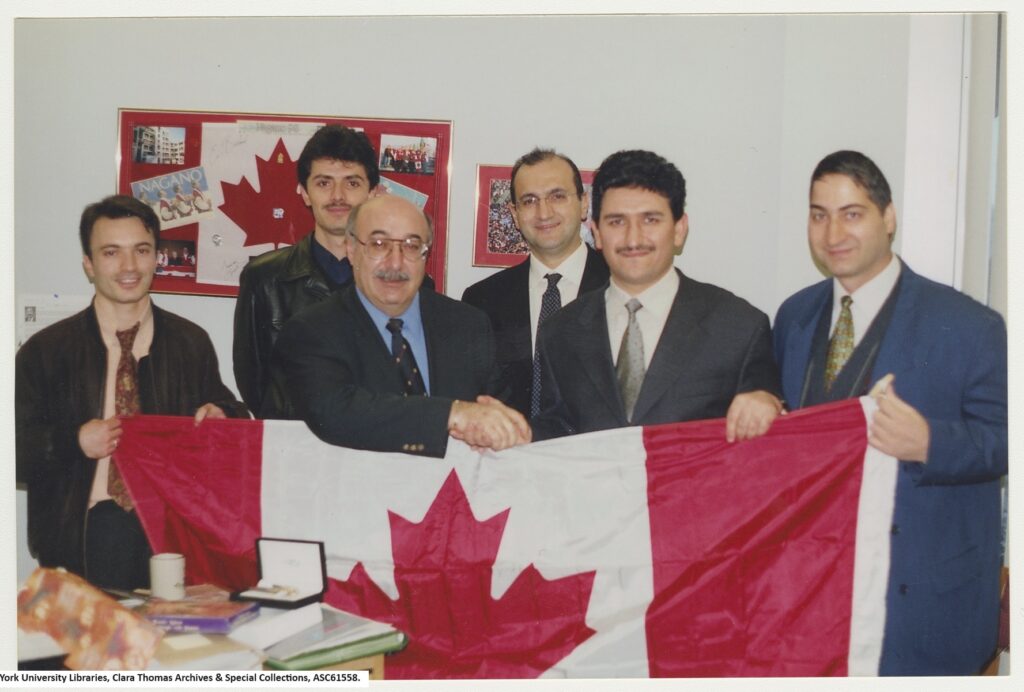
{"x":655,"y":346}
{"x":337,"y":170}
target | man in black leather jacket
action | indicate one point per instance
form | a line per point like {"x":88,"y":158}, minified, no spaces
{"x":66,"y":425}
{"x":336,"y":170}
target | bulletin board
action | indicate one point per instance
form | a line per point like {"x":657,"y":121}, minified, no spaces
{"x":225,"y":189}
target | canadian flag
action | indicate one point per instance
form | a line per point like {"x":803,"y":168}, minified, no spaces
{"x":662,"y":551}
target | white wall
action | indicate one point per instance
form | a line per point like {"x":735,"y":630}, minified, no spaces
{"x":744,"y":105}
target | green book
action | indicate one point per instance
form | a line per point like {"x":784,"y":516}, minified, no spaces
{"x":339,"y":637}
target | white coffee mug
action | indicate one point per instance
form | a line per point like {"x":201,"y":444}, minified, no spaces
{"x":167,"y":576}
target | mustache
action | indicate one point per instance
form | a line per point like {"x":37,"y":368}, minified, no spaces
{"x":391,"y":275}
{"x":632,"y":248}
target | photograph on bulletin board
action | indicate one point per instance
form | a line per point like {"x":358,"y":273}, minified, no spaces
{"x":497,"y":240}
{"x":225,"y":187}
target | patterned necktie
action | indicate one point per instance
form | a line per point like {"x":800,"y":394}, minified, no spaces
{"x":630,"y":366}
{"x":126,"y":403}
{"x":412,"y":380}
{"x":550,"y":302}
{"x":841,"y":345}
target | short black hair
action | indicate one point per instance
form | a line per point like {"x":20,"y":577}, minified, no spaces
{"x":861,"y":170}
{"x":537,"y":156}
{"x":640,"y":169}
{"x":116,"y":207}
{"x":339,"y":143}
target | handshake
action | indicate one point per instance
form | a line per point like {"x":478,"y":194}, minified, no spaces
{"x":488,"y":424}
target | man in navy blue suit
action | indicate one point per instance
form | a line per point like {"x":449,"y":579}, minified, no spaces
{"x":943,"y":415}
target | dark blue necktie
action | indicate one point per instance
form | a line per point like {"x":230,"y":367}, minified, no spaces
{"x":550,"y":302}
{"x":412,"y":380}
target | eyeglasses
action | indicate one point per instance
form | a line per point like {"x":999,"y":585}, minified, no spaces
{"x":555,"y":198}
{"x":377,"y":248}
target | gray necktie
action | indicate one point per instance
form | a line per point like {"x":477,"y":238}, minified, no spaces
{"x":630,"y":366}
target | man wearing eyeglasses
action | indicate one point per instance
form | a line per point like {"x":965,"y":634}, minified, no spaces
{"x":548,"y":204}
{"x":386,"y":366}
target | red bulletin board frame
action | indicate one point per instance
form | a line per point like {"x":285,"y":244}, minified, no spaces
{"x":485,"y":254}
{"x":290,"y":223}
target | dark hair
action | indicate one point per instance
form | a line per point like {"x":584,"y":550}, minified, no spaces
{"x":117,"y":207}
{"x":861,"y":170}
{"x":642,"y":169}
{"x":339,"y":143}
{"x":537,"y":156}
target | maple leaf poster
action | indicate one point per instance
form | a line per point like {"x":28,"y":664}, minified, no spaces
{"x":225,"y":185}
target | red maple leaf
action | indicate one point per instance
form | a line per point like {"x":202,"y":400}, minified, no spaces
{"x":275,"y":214}
{"x":443,"y":569}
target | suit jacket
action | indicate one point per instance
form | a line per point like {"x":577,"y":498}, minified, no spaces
{"x":505,"y":297}
{"x":341,"y":379}
{"x":713,"y":347}
{"x":948,"y":354}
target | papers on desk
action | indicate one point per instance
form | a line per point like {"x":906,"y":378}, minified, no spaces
{"x":315,"y":636}
{"x":204,"y":652}
{"x":275,"y":624}
{"x":338,"y":637}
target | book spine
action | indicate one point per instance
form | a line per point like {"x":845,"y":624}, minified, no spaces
{"x":201,"y":625}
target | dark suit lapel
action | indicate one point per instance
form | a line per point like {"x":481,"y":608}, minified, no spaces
{"x":798,"y":346}
{"x":904,"y":347}
{"x":682,"y":334}
{"x":376,"y":352}
{"x":595,"y":272}
{"x":515,"y":302}
{"x":435,"y":332}
{"x":595,"y":354}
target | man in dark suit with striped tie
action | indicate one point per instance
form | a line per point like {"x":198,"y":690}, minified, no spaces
{"x":387,"y":366}
{"x":548,"y":204}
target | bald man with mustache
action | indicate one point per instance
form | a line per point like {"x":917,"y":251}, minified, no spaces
{"x":386,"y":365}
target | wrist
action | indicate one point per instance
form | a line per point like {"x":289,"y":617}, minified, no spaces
{"x":453,"y":414}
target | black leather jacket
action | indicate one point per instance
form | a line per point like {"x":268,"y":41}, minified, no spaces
{"x":272,"y":288}
{"x":60,"y":376}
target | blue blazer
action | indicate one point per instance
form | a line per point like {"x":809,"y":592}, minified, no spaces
{"x":948,"y":355}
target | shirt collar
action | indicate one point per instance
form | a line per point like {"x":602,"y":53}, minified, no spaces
{"x":656,"y":299}
{"x":411,"y":318}
{"x":872,"y":295}
{"x":108,"y":324}
{"x":571,"y":267}
{"x":339,"y":271}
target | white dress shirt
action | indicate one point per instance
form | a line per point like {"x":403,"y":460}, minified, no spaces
{"x":571,"y":270}
{"x":867,"y":300}
{"x":657,"y":302}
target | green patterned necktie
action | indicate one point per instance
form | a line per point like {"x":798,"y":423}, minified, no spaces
{"x":841,"y":345}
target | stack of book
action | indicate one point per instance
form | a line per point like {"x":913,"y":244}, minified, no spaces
{"x":205,"y":609}
{"x":337,"y":638}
